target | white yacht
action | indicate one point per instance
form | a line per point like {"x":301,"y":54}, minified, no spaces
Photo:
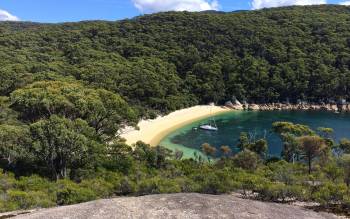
{"x":208,"y":127}
{"x":211,"y":126}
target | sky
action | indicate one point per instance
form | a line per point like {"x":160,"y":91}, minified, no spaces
{"x":55,"y":11}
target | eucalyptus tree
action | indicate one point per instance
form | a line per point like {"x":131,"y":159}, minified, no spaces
{"x":311,"y":147}
{"x":103,"y":110}
{"x":63,"y":144}
{"x":14,"y":143}
{"x":288,"y":133}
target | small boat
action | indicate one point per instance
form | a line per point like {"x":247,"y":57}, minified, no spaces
{"x":208,"y":127}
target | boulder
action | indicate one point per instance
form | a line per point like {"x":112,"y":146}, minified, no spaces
{"x":229,"y":104}
{"x":235,"y":106}
{"x":253,"y":107}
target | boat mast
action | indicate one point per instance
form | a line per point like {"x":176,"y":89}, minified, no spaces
{"x":212,"y":117}
{"x":214,"y":122}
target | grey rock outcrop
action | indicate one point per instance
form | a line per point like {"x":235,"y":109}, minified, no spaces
{"x":300,"y":106}
{"x":178,"y":206}
{"x":236,"y":105}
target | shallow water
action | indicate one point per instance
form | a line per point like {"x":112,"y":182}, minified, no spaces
{"x":258,"y":124}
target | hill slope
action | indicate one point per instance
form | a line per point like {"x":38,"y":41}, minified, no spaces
{"x":171,"y":60}
{"x":178,"y":206}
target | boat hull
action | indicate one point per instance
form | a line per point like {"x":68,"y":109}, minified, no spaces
{"x":208,"y":128}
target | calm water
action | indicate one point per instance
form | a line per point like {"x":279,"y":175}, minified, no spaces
{"x":258,"y":124}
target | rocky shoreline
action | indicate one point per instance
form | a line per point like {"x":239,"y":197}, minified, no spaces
{"x":286,"y":106}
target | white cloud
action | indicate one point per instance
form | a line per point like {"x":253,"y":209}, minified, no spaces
{"x":149,"y":6}
{"x":345,"y":3}
{"x":257,"y":4}
{"x":6,"y":16}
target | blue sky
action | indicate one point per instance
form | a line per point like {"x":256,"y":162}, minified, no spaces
{"x":77,"y":10}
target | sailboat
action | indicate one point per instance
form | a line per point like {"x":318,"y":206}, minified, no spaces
{"x":210,"y":126}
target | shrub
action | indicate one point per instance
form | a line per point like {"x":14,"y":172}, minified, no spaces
{"x":212,"y":185}
{"x":34,"y":183}
{"x":7,"y":181}
{"x":280,"y":192}
{"x":125,"y":187}
{"x":157,"y":185}
{"x":148,"y":186}
{"x":71,"y":193}
{"x":247,"y":182}
{"x":247,"y":160}
{"x":100,"y":187}
{"x":25,"y":200}
{"x":187,"y":185}
{"x":168,"y":186}
{"x":331,"y":193}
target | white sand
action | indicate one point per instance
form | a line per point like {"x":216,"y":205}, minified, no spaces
{"x":153,"y":131}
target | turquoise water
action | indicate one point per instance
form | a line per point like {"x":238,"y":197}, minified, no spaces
{"x":258,"y":124}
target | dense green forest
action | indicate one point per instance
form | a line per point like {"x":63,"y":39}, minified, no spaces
{"x":66,"y":90}
{"x":171,"y":60}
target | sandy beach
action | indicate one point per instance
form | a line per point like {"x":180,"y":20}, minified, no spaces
{"x":153,"y":131}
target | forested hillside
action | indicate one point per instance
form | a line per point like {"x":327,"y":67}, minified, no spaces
{"x":67,"y":89}
{"x":171,"y":60}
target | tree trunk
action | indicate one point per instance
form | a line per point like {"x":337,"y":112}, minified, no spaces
{"x":309,"y":160}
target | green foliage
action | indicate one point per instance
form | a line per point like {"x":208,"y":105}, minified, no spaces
{"x":63,"y":144}
{"x":311,"y":147}
{"x":67,"y":89}
{"x":14,"y":141}
{"x":280,"y":192}
{"x":245,"y":143}
{"x":34,"y":183}
{"x":158,"y":185}
{"x":152,"y":157}
{"x":16,"y":199}
{"x":333,"y":172}
{"x":262,"y":56}
{"x":105,"y":111}
{"x":208,"y":150}
{"x":126,"y":187}
{"x":225,"y":150}
{"x":7,"y":115}
{"x":284,"y":172}
{"x":330,"y":193}
{"x":70,"y":193}
{"x":345,"y":165}
{"x":288,"y":133}
{"x":100,"y":187}
{"x":120,"y":157}
{"x":260,"y":147}
{"x":246,"y":159}
{"x":325,"y":132}
{"x":290,"y":128}
{"x":344,"y":145}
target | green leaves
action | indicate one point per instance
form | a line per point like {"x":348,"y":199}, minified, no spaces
{"x":260,"y":146}
{"x":290,"y":128}
{"x":247,"y":160}
{"x":14,"y":143}
{"x":62,"y":144}
{"x":105,"y":111}
{"x":288,"y":133}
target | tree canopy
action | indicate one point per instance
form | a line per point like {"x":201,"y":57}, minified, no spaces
{"x":165,"y":61}
{"x":67,"y":89}
{"x":105,"y":111}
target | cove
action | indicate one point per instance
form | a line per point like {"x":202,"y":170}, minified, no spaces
{"x":257,"y":123}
